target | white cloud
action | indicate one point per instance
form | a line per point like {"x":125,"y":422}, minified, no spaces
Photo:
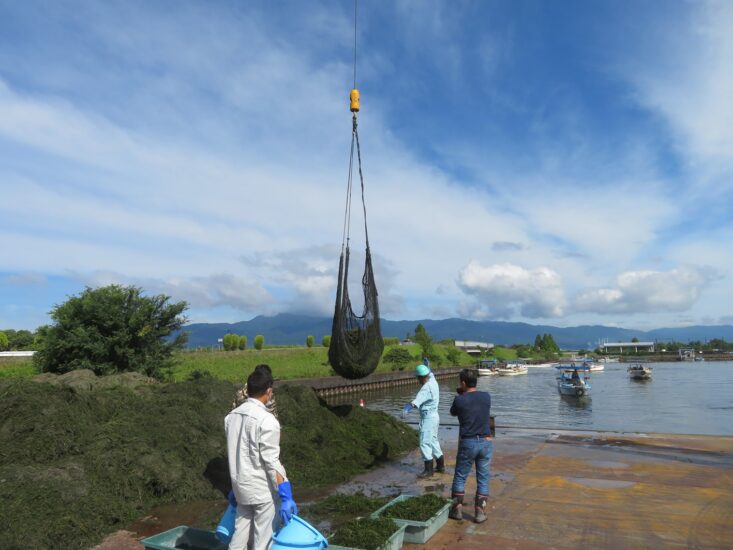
{"x":648,"y":292}
{"x":501,"y":289}
{"x":687,"y":78}
{"x":200,"y":292}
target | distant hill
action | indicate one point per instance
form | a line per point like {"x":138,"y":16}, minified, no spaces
{"x":288,"y":329}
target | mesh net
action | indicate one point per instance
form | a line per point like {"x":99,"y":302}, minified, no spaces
{"x":356,"y":340}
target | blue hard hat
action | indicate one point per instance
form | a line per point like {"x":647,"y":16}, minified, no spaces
{"x":422,"y":370}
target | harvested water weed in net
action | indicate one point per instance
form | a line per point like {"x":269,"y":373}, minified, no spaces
{"x":364,"y":533}
{"x":417,"y":508}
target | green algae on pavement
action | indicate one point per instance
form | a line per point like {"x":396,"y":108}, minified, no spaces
{"x":364,"y":533}
{"x":420,"y":508}
{"x":81,"y":460}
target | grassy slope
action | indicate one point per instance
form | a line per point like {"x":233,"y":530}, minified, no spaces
{"x":16,"y":367}
{"x":286,"y":363}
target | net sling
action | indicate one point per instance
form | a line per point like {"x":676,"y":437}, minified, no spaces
{"x":356,"y":340}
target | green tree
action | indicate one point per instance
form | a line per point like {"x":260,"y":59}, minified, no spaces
{"x":549,"y":345}
{"x":230,"y":342}
{"x":19,"y":339}
{"x":309,"y":341}
{"x":399,"y":358}
{"x":453,"y":356}
{"x":4,"y":342}
{"x":259,"y":341}
{"x":242,"y":342}
{"x":112,"y":329}
{"x":424,"y":340}
{"x":634,"y":339}
{"x":538,"y":343}
{"x":326,"y":341}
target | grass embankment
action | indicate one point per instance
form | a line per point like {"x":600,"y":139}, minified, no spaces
{"x":17,"y":367}
{"x":78,"y":462}
{"x":287,"y":363}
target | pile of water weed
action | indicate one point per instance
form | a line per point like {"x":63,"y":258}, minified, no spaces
{"x":75,"y":465}
{"x":420,"y":508}
{"x":78,"y":462}
{"x":338,"y":509}
{"x":364,"y":533}
{"x":324,"y":445}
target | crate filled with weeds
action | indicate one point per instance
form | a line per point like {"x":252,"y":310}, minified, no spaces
{"x":421,"y":516}
{"x":368,"y":534}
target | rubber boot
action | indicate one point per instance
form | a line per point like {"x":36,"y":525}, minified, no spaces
{"x":456,"y":510}
{"x":440,"y":465}
{"x":428,"y":471}
{"x":480,"y":516}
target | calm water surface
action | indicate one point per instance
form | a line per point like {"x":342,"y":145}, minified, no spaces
{"x":689,"y":398}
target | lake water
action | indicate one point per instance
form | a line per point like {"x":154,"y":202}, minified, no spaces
{"x":684,"y":398}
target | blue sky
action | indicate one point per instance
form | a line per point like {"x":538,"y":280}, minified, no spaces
{"x":562,"y":163}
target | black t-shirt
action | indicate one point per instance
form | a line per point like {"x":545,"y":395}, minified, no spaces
{"x":473,"y":410}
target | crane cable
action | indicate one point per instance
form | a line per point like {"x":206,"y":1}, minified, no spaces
{"x":354,"y":97}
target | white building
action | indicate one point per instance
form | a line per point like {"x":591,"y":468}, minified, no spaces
{"x":620,"y":347}
{"x":473,"y":348}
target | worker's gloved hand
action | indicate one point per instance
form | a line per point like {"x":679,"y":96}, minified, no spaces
{"x":407,"y":408}
{"x":232,"y":499}
{"x":288,"y":508}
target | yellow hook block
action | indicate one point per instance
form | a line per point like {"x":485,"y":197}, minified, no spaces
{"x":354,"y":100}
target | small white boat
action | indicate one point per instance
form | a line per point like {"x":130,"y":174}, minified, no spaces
{"x":512,"y":369}
{"x":541,"y":365}
{"x":639,"y":372}
{"x":486,"y":367}
{"x":569,"y":382}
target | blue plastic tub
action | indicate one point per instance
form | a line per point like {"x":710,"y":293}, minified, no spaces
{"x":298,"y":533}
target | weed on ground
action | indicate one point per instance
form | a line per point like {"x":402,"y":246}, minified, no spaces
{"x":78,"y":461}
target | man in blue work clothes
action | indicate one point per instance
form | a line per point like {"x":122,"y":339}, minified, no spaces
{"x":476,"y":446}
{"x":426,"y":401}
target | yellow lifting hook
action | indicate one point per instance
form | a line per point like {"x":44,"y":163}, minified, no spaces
{"x":354,"y":100}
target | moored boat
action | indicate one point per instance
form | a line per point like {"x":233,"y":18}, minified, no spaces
{"x":512,"y":369}
{"x":486,"y":367}
{"x":639,"y":372}
{"x":570,"y":383}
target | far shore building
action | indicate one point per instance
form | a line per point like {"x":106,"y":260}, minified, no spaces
{"x":473,"y":348}
{"x":625,"y":347}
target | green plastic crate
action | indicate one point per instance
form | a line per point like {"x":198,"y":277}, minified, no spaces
{"x":418,"y":532}
{"x":184,"y":537}
{"x":393,"y":543}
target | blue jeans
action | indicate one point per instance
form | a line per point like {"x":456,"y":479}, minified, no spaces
{"x":473,"y":451}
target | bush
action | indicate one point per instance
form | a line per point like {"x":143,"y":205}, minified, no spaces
{"x":391,"y":341}
{"x":4,"y":342}
{"x":399,"y":358}
{"x":309,"y":341}
{"x":112,"y":329}
{"x":326,"y":341}
{"x":453,"y":356}
{"x":259,"y":341}
{"x":230,"y":342}
{"x":242,"y":342}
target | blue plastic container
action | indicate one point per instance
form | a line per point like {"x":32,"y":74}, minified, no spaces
{"x":225,"y":529}
{"x":298,"y":533}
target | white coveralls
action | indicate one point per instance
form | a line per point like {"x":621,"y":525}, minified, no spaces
{"x":426,"y":401}
{"x":253,"y":448}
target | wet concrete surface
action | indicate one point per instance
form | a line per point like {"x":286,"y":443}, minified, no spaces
{"x":570,"y":490}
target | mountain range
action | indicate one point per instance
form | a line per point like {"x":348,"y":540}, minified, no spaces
{"x":292,"y":329}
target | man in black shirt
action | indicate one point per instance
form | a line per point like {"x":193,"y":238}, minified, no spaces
{"x":475,"y":446}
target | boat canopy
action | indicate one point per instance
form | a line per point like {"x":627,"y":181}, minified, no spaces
{"x":573,"y":367}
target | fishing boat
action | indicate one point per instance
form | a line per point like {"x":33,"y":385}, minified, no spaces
{"x":514,"y":368}
{"x":639,"y":372}
{"x":486,"y":367}
{"x":570,"y":383}
{"x":540,"y":365}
